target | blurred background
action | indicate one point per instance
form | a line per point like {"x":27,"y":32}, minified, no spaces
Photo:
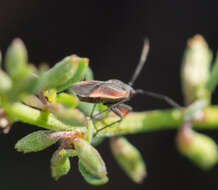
{"x":111,"y":34}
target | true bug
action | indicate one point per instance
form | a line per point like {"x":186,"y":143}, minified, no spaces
{"x":114,"y":93}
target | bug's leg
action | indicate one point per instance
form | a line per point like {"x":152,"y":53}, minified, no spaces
{"x":110,"y":108}
{"x":93,"y":110}
{"x":118,"y":114}
{"x":121,"y":110}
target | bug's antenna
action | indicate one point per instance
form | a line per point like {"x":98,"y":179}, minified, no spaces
{"x":141,"y":63}
{"x":167,"y":99}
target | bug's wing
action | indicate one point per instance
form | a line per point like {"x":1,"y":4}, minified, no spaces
{"x":109,"y":91}
{"x":85,"y":88}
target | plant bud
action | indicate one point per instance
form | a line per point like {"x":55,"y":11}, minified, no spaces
{"x":79,"y":74}
{"x":67,"y":100}
{"x":16,"y":58}
{"x":195,"y":70}
{"x":129,"y":158}
{"x":25,"y":84}
{"x":35,"y":141}
{"x":34,"y":101}
{"x":60,"y":164}
{"x":69,"y":116}
{"x":89,"y":177}
{"x":199,"y":148}
{"x":5,"y":82}
{"x":59,"y":74}
{"x":64,"y":73}
{"x":90,"y":158}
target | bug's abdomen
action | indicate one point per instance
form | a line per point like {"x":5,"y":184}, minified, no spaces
{"x":104,"y":100}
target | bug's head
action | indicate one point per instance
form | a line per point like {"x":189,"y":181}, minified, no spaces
{"x":132,"y":92}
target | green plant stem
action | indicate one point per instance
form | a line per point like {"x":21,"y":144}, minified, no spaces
{"x":33,"y":116}
{"x":136,"y":122}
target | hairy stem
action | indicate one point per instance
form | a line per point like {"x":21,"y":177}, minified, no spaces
{"x":136,"y":122}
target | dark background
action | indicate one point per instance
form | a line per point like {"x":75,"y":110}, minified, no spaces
{"x":111,"y":34}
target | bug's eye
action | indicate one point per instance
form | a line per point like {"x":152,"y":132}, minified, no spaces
{"x":132,"y":93}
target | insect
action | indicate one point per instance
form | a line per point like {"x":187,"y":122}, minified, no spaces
{"x":114,"y":93}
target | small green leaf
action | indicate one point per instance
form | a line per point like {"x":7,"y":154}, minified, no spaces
{"x":89,"y":177}
{"x":60,"y":164}
{"x":90,"y":158}
{"x":35,"y":142}
{"x":213,"y":79}
{"x":199,"y":148}
{"x":129,"y":158}
{"x":5,"y":82}
{"x":67,"y":99}
{"x":16,"y":58}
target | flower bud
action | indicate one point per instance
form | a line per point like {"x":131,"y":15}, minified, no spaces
{"x":16,"y":58}
{"x":90,"y":158}
{"x":129,"y":158}
{"x":195,"y":70}
{"x":60,"y":164}
{"x":35,"y":141}
{"x":199,"y":148}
